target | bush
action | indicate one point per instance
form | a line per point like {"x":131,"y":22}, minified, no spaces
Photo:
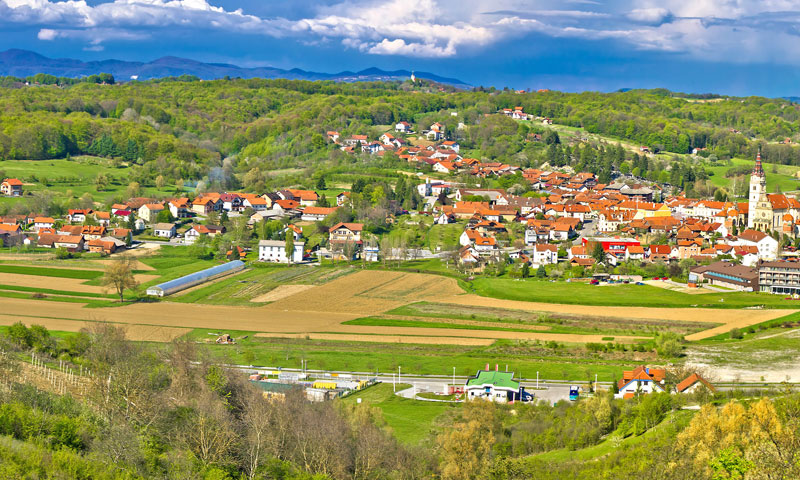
{"x":736,"y":334}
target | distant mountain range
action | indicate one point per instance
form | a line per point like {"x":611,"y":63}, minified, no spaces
{"x":23,"y":63}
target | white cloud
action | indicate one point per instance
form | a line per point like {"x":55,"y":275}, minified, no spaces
{"x":730,"y":30}
{"x":648,"y":15}
{"x":47,"y":34}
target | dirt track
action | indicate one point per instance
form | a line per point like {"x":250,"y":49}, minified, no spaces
{"x":384,"y":338}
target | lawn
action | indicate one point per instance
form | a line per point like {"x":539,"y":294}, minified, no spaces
{"x":411,"y":420}
{"x":51,"y":272}
{"x":532,"y":290}
{"x":414,"y":359}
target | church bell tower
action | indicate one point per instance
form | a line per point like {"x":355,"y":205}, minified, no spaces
{"x":758,"y":187}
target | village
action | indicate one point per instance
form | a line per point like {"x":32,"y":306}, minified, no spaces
{"x":572,"y":227}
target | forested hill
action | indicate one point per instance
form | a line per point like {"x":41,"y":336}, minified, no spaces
{"x":184,"y":129}
{"x":24,"y":63}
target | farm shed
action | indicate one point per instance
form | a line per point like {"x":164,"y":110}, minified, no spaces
{"x":187,"y":281}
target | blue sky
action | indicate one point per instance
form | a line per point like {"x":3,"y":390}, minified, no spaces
{"x":726,"y":46}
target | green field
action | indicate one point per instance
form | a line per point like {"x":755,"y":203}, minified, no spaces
{"x":630,"y":295}
{"x":783,"y":178}
{"x":51,"y":272}
{"x":411,"y":421}
{"x":75,"y":176}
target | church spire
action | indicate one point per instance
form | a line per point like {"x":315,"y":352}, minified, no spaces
{"x":758,"y":170}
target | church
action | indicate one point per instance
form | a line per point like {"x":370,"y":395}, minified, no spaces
{"x":770,"y":212}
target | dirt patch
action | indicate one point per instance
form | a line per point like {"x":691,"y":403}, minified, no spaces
{"x":37,"y":281}
{"x":384,"y":339}
{"x":144,"y":278}
{"x":679,"y":288}
{"x":280,"y":292}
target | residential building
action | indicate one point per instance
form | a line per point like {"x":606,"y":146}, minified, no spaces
{"x":694,"y":383}
{"x":767,"y":246}
{"x":180,"y":207}
{"x":316,"y":214}
{"x":641,"y":381}
{"x":545,"y":254}
{"x":43,"y":222}
{"x":11,"y":187}
{"x":166,"y":230}
{"x":275,"y":251}
{"x":345,"y":232}
{"x":149,"y":211}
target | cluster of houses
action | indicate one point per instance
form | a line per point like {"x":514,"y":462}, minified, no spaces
{"x":644,"y":380}
{"x":110,"y":231}
{"x":500,"y":387}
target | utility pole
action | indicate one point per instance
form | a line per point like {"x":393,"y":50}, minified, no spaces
{"x":454,"y":380}
{"x":537,"y":380}
{"x":398,"y":374}
{"x":595,"y":383}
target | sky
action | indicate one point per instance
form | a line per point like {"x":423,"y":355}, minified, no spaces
{"x":736,"y":47}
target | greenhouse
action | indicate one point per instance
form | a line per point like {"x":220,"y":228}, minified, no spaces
{"x":188,"y":281}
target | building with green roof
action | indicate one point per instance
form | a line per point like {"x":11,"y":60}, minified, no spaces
{"x":494,"y":386}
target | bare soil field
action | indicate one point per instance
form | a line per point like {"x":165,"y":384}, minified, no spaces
{"x":369,"y":292}
{"x":384,"y":338}
{"x":321,"y":309}
{"x":36,"y":281}
{"x":280,"y":292}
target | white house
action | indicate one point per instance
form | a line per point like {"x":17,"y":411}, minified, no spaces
{"x":166,"y":230}
{"x":641,"y":381}
{"x":42,"y":222}
{"x":403,"y":127}
{"x":545,"y":254}
{"x":767,"y":246}
{"x":275,"y":251}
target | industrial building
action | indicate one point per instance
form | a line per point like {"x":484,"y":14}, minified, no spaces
{"x":188,"y":281}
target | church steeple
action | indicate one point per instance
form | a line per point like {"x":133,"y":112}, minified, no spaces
{"x":758,"y":170}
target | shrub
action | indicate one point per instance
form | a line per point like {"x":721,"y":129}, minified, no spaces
{"x":736,"y":334}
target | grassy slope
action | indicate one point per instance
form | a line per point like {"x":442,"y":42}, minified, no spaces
{"x":784,"y":178}
{"x":411,"y":420}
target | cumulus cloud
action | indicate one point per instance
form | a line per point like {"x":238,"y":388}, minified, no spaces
{"x":649,"y":15}
{"x":737,"y":30}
